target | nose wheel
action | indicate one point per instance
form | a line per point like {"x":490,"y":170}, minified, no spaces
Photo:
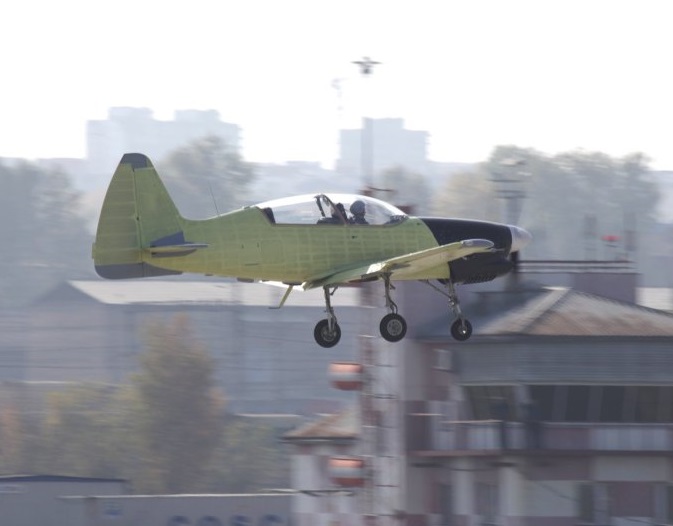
{"x":461,"y":329}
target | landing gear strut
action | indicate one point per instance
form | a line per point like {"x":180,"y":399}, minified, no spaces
{"x":327,"y":333}
{"x":393,"y":327}
{"x":461,"y":328}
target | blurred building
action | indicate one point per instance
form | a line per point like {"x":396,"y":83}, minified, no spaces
{"x":266,"y":359}
{"x":55,"y":500}
{"x":136,"y":130}
{"x":384,"y":143}
{"x":38,"y":499}
{"x":176,"y":510}
{"x":557,"y":412}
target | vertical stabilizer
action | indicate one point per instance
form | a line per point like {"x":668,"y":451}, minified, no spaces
{"x":136,"y":211}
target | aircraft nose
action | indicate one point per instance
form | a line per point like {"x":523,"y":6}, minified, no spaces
{"x":520,"y":238}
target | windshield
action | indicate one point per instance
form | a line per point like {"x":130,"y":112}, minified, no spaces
{"x":331,"y":209}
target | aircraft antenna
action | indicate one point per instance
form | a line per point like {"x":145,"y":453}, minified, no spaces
{"x":212,"y":194}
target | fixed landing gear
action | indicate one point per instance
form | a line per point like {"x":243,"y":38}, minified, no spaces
{"x":461,"y":328}
{"x":327,"y":333}
{"x":393,"y":327}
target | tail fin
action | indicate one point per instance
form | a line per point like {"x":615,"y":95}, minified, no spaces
{"x":137,"y":211}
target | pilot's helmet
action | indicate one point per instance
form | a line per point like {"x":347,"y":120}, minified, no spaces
{"x":358,"y":208}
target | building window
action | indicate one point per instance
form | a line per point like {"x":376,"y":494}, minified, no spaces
{"x":603,"y":403}
{"x":612,"y":403}
{"x":577,"y":408}
{"x":592,"y":505}
{"x":443,"y":360}
{"x":486,"y":503}
{"x":446,"y":504}
{"x":647,"y":404}
{"x":663,"y":504}
{"x":486,"y":402}
{"x":543,"y":395}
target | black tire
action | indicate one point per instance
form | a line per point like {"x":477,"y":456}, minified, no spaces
{"x":393,"y":327}
{"x":461,"y":330}
{"x":324,"y":337}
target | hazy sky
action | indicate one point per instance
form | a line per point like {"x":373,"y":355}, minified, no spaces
{"x":554,"y":75}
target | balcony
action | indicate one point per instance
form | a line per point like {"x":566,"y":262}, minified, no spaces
{"x":433,"y":435}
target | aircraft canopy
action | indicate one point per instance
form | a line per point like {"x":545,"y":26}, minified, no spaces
{"x":320,"y":208}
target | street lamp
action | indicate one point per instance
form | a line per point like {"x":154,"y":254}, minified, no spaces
{"x":366,"y":66}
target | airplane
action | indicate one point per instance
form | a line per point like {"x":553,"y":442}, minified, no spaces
{"x":309,"y":241}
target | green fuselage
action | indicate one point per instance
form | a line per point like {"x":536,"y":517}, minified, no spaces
{"x":246,"y":245}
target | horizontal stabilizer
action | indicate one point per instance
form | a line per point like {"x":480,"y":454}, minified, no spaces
{"x":176,"y":250}
{"x":173,"y":245}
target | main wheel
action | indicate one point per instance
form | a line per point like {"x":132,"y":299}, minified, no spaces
{"x":393,"y":327}
{"x":461,"y":330}
{"x":324,"y":337}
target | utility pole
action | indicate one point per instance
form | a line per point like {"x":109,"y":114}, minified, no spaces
{"x":368,"y":411}
{"x":366,"y":66}
{"x":510,"y":186}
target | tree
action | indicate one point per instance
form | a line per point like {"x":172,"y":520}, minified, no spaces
{"x":410,"y":189}
{"x":82,"y":435}
{"x":11,"y":439}
{"x":179,"y":412}
{"x":575,"y":199}
{"x":207,"y":177}
{"x":568,"y":201}
{"x":467,"y":194}
{"x":248,"y":458}
{"x":45,"y":240}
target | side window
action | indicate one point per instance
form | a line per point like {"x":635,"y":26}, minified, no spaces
{"x":294,"y":214}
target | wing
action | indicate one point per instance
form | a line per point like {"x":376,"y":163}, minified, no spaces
{"x":407,"y":264}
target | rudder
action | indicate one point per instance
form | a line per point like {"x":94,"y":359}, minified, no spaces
{"x":137,"y":210}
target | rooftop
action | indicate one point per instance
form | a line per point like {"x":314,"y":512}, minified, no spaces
{"x":168,"y":292}
{"x":338,"y":426}
{"x":567,"y":312}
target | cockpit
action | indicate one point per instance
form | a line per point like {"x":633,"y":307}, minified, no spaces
{"x":335,"y":209}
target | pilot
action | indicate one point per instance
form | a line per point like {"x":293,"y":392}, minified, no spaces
{"x":358,"y":211}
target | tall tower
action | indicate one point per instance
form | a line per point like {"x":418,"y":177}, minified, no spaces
{"x":366,"y":66}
